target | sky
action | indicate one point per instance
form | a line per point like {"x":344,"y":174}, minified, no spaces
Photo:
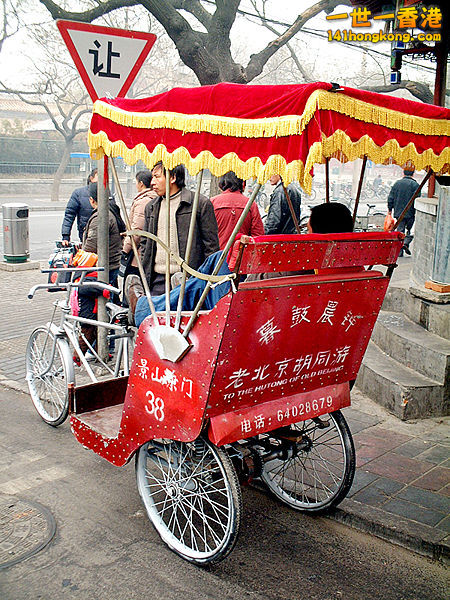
{"x":330,"y":60}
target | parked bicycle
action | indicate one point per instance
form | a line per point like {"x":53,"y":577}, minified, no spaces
{"x":54,"y":349}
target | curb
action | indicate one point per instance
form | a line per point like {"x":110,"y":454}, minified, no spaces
{"x":14,"y":385}
{"x":414,"y":536}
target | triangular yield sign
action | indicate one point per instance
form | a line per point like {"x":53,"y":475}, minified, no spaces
{"x":108,"y":59}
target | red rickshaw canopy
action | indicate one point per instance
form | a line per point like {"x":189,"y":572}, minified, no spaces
{"x":259,"y":130}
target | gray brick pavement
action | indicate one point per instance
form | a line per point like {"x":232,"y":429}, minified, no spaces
{"x":402,"y":484}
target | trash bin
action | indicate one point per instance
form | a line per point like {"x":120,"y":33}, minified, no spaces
{"x":16,"y":241}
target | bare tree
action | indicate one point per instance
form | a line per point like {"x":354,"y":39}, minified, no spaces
{"x":64,"y":112}
{"x":9,"y":20}
{"x":202,"y":39}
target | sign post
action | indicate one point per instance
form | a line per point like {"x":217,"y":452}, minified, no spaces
{"x":108,"y":60}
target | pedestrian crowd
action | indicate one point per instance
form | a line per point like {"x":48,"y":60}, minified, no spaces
{"x":216,"y":219}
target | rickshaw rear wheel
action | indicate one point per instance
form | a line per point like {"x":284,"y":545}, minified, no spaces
{"x":192,"y":496}
{"x":320,"y":474}
{"x":48,"y":372}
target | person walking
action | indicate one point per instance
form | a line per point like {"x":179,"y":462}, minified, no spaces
{"x":399,"y":196}
{"x":279,"y":218}
{"x":79,"y":208}
{"x":228,"y":207}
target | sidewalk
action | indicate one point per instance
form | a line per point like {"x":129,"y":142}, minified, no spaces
{"x":401,"y":490}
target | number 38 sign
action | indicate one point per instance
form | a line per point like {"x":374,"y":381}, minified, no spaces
{"x":107,"y":59}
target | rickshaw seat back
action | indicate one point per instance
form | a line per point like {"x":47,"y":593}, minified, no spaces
{"x":274,"y":253}
{"x":291,"y":345}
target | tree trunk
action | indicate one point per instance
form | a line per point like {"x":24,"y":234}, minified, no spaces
{"x":61,"y":170}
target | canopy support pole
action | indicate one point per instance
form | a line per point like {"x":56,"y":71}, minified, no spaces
{"x":413,"y":197}
{"x":103,"y":250}
{"x":291,"y":208}
{"x":327,"y":180}
{"x":133,"y":243}
{"x":167,"y":282}
{"x":223,"y":257}
{"x":188,"y":248}
{"x":360,"y":184}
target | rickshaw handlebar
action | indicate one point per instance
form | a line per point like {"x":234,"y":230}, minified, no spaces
{"x":97,"y":285}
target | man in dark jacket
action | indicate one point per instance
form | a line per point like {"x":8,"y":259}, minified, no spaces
{"x":399,"y":196}
{"x":279,"y":218}
{"x":78,"y":207}
{"x":205,"y":239}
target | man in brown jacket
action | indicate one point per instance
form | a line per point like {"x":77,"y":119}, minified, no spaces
{"x":205,"y":240}
{"x":87,"y":296}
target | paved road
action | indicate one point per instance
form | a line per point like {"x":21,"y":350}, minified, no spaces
{"x":106,"y":548}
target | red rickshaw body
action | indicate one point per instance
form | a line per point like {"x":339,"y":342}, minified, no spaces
{"x":274,"y":352}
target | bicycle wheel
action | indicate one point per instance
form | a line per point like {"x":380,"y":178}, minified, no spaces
{"x":192,"y":496}
{"x":319,"y":475}
{"x":48,"y":372}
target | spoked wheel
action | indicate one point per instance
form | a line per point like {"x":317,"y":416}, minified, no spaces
{"x":48,"y":372}
{"x":320,"y":472}
{"x":192,"y":496}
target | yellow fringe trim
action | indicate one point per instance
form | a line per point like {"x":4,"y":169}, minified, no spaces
{"x":276,"y":126}
{"x":253,"y":168}
{"x":339,"y":145}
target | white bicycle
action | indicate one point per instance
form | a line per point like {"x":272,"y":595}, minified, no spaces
{"x":52,"y":349}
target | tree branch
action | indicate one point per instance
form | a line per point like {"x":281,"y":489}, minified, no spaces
{"x":417,"y":89}
{"x":257,"y":61}
{"x":90,"y":15}
{"x":194,"y":8}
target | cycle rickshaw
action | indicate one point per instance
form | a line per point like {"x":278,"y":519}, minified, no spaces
{"x":254,"y":387}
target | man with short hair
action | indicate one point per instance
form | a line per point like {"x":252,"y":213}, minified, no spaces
{"x":279,"y":218}
{"x":401,"y":193}
{"x":79,"y":208}
{"x":205,"y":239}
{"x":228,"y":207}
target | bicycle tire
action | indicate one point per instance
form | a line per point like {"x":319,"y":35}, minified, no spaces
{"x":192,"y":496}
{"x":318,"y":478}
{"x":48,"y":377}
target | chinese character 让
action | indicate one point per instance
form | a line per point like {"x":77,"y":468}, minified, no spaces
{"x":97,"y":68}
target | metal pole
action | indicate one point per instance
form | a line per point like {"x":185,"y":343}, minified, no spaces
{"x":223,"y":257}
{"x":167,"y":174}
{"x":360,"y":184}
{"x":133,"y":243}
{"x":291,"y":208}
{"x":327,"y":180}
{"x":188,"y":248}
{"x":102,"y":251}
{"x":413,"y":197}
